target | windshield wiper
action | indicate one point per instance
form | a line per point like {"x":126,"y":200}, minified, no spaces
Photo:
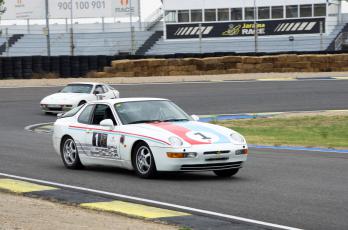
{"x":175,"y":120}
{"x":145,"y":121}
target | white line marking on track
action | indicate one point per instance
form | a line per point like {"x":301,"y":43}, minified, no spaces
{"x":185,"y":82}
{"x":153,"y":202}
{"x":30,"y":127}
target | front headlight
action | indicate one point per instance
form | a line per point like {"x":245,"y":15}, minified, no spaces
{"x":237,"y":138}
{"x":175,"y":141}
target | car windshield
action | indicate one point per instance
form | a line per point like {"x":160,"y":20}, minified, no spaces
{"x":136,"y":112}
{"x":77,"y":88}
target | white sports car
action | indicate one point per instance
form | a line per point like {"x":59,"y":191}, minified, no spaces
{"x":146,"y":135}
{"x":76,"y":94}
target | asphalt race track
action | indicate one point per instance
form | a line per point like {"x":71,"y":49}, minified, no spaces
{"x":298,"y":189}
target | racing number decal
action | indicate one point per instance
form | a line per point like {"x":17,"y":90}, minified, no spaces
{"x":100,"y":140}
{"x":101,"y":148}
{"x":203,"y":136}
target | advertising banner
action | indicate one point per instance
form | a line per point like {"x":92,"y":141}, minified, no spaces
{"x":81,"y":8}
{"x":246,"y":28}
{"x":24,"y":9}
{"x":123,"y":8}
{"x":35,"y":9}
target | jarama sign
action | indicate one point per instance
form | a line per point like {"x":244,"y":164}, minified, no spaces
{"x":246,"y":28}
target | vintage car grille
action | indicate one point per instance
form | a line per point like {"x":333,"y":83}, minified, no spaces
{"x":209,"y":167}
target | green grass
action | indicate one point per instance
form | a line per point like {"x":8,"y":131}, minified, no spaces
{"x":311,"y":131}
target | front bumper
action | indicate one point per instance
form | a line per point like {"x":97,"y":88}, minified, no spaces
{"x":47,"y":108}
{"x":209,"y":158}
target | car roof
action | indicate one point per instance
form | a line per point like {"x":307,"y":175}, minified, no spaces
{"x":87,"y":83}
{"x":130,"y":99}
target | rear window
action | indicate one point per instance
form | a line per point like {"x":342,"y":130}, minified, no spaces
{"x":77,"y":88}
{"x":85,"y":116}
{"x":72,"y":112}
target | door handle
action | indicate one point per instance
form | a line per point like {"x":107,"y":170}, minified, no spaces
{"x":88,"y":131}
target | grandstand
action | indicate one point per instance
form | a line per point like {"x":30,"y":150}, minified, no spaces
{"x":102,"y":43}
{"x":189,"y":27}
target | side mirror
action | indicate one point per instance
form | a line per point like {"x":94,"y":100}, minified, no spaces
{"x":195,"y":117}
{"x":107,"y":123}
{"x":59,"y":115}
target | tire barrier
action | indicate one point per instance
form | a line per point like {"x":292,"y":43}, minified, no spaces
{"x":54,"y":65}
{"x":27,"y":65}
{"x":61,"y":66}
{"x":83,"y":67}
{"x":75,"y":65}
{"x":78,"y":66}
{"x":17,"y":68}
{"x":65,"y":66}
{"x":102,"y":62}
{"x":93,"y":62}
{"x":37,"y":64}
{"x":1,"y":71}
{"x":7,"y":67}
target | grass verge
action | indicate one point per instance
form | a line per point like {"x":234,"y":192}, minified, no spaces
{"x":308,"y":131}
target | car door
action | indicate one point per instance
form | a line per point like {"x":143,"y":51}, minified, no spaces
{"x":101,"y":142}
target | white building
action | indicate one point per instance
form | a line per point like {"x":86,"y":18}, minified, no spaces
{"x":187,"y":19}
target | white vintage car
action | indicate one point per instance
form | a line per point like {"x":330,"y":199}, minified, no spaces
{"x":148,"y":135}
{"x":76,"y":94}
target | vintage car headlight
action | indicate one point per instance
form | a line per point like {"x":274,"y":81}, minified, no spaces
{"x":175,"y":141}
{"x":237,"y":138}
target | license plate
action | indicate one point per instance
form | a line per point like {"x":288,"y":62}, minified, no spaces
{"x":54,"y":106}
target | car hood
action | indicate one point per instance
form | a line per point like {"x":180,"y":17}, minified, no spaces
{"x":64,"y":98}
{"x":190,"y":132}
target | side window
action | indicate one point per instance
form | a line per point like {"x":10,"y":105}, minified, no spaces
{"x":85,"y":116}
{"x":98,"y":90}
{"x":105,"y":89}
{"x":102,"y":112}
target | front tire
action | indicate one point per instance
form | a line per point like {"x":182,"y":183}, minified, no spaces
{"x":144,"y":162}
{"x":226,"y":173}
{"x":69,"y":154}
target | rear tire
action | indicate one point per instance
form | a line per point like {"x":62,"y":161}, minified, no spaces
{"x":69,"y":154}
{"x":226,"y":173}
{"x":143,"y":161}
